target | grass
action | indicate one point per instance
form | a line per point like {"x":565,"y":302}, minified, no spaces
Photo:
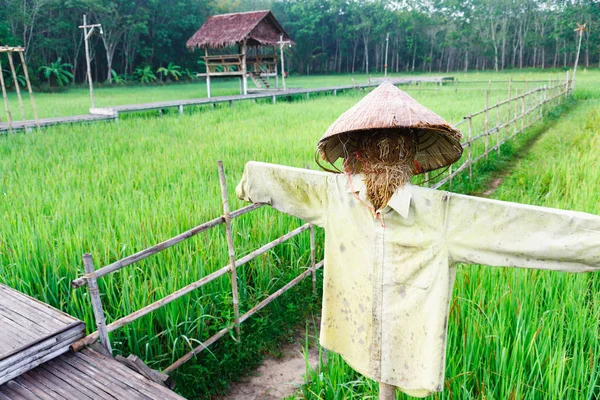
{"x":115,"y":188}
{"x":517,"y":334}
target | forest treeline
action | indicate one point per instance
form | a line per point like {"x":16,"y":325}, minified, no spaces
{"x":331,"y":36}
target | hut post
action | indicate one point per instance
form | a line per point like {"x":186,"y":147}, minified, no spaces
{"x":35,"y":113}
{"x":92,"y":284}
{"x":207,"y":71}
{"x":232,"y":262}
{"x":244,"y":68}
{"x":16,"y":82}
{"x":276,"y":67}
{"x":5,"y":96}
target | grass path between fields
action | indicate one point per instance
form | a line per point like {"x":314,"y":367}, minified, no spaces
{"x":517,"y":333}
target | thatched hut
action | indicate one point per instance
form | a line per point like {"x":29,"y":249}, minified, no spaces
{"x":254,"y":34}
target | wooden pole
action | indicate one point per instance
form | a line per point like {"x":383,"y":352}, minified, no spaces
{"x":580,"y":29}
{"x":386,"y":392}
{"x":385,"y":65}
{"x":523,"y":113}
{"x":26,"y":72}
{"x":88,"y":264}
{"x":509,"y":106}
{"x":87,"y":60}
{"x":244,"y":68}
{"x":515,"y":112}
{"x":470,"y":148}
{"x":18,"y":90}
{"x":281,"y":44}
{"x":5,"y":96}
{"x":231,"y":248}
{"x":313,"y":259}
{"x":208,"y":73}
{"x":487,"y":122}
{"x":498,"y":126}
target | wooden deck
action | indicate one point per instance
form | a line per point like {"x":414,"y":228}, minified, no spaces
{"x":32,"y":332}
{"x":36,"y":361}
{"x":84,"y":375}
{"x":43,"y":122}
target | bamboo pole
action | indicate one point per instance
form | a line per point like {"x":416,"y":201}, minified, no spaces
{"x":231,"y":249}
{"x":487,"y":123}
{"x":208,"y":75}
{"x":313,"y":259}
{"x":5,"y":96}
{"x":498,"y":127}
{"x":515,"y":111}
{"x":509,"y":106}
{"x":88,"y":264}
{"x":470,"y":148}
{"x":26,"y":72}
{"x":17,"y":89}
{"x":523,"y":115}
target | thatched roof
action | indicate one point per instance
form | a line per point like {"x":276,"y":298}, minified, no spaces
{"x":389,"y":108}
{"x":258,"y":28}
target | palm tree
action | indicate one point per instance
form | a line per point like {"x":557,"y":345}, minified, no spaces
{"x":57,"y":72}
{"x":171,"y":71}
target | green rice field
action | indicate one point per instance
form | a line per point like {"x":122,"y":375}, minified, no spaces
{"x":112,"y":189}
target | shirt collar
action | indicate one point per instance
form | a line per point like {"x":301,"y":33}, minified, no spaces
{"x":400,"y":200}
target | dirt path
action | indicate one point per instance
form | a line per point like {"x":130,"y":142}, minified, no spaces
{"x":278,"y":377}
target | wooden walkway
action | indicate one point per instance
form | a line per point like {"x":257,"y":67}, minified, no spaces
{"x":32,"y":332}
{"x":36,"y":361}
{"x":112,"y":113}
{"x":84,"y":375}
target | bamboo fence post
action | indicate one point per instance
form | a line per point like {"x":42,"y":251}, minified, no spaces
{"x":16,"y":82}
{"x":515,"y":112}
{"x":450,"y":176}
{"x":88,"y":264}
{"x":509,"y":105}
{"x":426,"y":179}
{"x":232,"y":263}
{"x":523,"y":112}
{"x":498,"y":127}
{"x":567,"y":84}
{"x":26,"y":72}
{"x":487,"y":122}
{"x":5,"y":96}
{"x":470,"y":148}
{"x":456,"y":86}
{"x":313,"y":259}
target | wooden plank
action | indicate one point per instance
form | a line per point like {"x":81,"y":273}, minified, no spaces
{"x":134,"y":379}
{"x":100,"y":391}
{"x":39,"y":307}
{"x":14,"y":393}
{"x":63,"y":379}
{"x":36,"y":387}
{"x":33,"y":389}
{"x":102,"y":376}
{"x":68,"y":336}
{"x":65,"y":390}
{"x":34,"y":363}
{"x":19,"y":322}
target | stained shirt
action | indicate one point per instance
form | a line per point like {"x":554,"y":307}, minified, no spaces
{"x":388,"y":276}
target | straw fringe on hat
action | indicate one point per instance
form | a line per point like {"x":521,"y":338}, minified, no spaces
{"x":389,"y":108}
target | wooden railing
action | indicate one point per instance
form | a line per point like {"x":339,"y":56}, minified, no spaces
{"x":513,"y":116}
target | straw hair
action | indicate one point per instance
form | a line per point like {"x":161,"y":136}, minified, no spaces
{"x":389,"y":109}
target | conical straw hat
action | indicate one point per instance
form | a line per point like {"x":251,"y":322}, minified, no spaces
{"x":389,"y":108}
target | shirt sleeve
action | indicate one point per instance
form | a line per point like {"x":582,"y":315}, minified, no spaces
{"x":497,"y":233}
{"x":295,"y":191}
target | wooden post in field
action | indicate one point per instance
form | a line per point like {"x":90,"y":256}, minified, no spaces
{"x":281,"y":44}
{"x":5,"y":96}
{"x":16,"y":82}
{"x":208,"y":74}
{"x":487,"y":122}
{"x":579,"y":30}
{"x":232,"y":263}
{"x":88,"y":264}
{"x":313,"y":259}
{"x":26,"y":73}
{"x":386,"y":392}
{"x":515,"y":112}
{"x":508,"y":124}
{"x":470,"y":148}
{"x":86,"y":36}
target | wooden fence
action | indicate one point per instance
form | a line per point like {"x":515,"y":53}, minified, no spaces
{"x":512,"y":116}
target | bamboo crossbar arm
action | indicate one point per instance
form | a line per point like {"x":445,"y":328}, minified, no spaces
{"x":91,"y":338}
{"x":243,"y":318}
{"x":15,"y":49}
{"x":117,"y":265}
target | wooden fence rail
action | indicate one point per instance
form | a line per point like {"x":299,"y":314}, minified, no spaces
{"x":518,"y":111}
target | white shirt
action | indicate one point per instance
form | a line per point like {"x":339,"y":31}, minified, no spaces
{"x":387,"y":289}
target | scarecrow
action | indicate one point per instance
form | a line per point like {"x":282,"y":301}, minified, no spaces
{"x":391,"y":248}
